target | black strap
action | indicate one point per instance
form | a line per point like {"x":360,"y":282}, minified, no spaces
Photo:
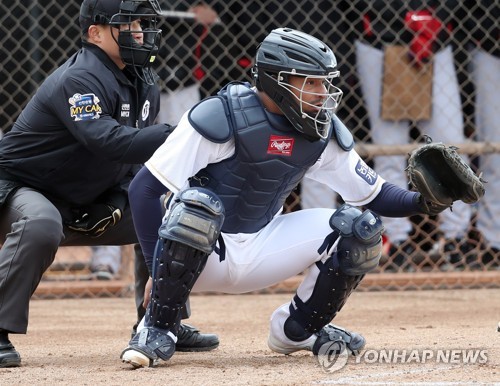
{"x":328,"y":242}
{"x":221,"y":251}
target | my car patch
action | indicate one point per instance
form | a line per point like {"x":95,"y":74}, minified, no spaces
{"x":84,"y":107}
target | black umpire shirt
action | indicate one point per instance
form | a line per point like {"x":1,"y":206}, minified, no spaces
{"x":84,"y":131}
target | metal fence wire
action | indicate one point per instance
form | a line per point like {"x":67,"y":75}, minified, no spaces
{"x":407,"y":69}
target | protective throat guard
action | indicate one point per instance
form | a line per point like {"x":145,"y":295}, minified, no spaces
{"x":360,"y":246}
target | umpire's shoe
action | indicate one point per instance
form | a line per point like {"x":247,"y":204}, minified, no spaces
{"x":336,"y":338}
{"x":190,"y":339}
{"x":148,"y":346}
{"x":9,"y":357}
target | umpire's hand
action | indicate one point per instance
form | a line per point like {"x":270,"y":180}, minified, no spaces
{"x":94,"y":220}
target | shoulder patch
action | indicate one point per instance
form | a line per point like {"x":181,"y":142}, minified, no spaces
{"x":84,"y":107}
{"x":342,"y":134}
{"x":210,"y":118}
{"x":366,"y":172}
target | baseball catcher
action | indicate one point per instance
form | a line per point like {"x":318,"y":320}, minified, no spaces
{"x":441,"y":176}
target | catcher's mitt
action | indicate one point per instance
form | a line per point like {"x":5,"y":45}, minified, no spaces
{"x":441,"y":176}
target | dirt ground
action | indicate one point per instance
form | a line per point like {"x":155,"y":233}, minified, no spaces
{"x":79,"y":341}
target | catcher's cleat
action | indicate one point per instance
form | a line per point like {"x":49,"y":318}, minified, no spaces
{"x":9,"y":357}
{"x":329,"y":334}
{"x":137,"y":359}
{"x":149,"y":346}
{"x":353,"y":341}
{"x":190,"y":339}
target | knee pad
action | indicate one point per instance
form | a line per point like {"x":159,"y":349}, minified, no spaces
{"x":360,"y":245}
{"x":186,"y":239}
{"x":331,"y":290}
{"x":195,"y":219}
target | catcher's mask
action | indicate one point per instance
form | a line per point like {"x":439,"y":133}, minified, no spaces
{"x":286,"y":52}
{"x":118,"y":13}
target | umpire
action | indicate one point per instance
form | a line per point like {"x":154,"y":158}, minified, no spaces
{"x":66,"y":164}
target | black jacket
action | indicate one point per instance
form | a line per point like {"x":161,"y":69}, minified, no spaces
{"x":84,"y":131}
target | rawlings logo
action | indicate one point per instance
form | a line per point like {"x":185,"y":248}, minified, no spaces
{"x":280,"y":145}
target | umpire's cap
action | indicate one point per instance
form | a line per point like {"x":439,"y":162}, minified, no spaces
{"x":97,"y":12}
{"x":102,"y":11}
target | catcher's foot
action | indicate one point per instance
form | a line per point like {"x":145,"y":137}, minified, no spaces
{"x":330,"y":334}
{"x":149,"y":346}
{"x":137,"y":359}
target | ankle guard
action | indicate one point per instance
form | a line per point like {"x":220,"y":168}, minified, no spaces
{"x":186,"y":239}
{"x":329,"y":295}
{"x":337,"y":340}
{"x":153,"y":343}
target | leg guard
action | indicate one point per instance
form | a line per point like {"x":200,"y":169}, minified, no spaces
{"x":176,"y":268}
{"x":329,"y":295}
{"x":358,"y":251}
{"x":186,"y":239}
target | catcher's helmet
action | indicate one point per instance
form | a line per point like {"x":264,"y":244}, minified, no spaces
{"x":286,"y":52}
{"x":117,"y":13}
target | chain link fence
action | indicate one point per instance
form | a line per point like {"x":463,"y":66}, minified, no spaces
{"x":408,"y":69}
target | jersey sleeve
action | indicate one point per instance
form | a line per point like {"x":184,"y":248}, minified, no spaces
{"x":183,"y":154}
{"x":346,"y":173}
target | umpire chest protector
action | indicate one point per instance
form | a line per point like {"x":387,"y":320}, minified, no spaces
{"x":270,"y":158}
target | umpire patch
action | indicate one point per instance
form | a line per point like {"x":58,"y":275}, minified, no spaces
{"x":365,"y":172}
{"x":84,"y":107}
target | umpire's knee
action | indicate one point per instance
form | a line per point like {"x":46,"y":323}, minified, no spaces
{"x":46,"y":233}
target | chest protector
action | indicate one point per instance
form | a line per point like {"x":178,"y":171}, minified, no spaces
{"x":270,"y":158}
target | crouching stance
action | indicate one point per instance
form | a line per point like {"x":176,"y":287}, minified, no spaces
{"x":186,"y":239}
{"x":251,"y":147}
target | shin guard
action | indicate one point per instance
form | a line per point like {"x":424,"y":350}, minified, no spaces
{"x":177,"y":267}
{"x":187,"y":238}
{"x":329,"y":295}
